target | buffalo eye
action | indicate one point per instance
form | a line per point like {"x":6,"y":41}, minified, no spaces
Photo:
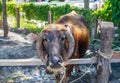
{"x":63,"y":38}
{"x":46,"y":40}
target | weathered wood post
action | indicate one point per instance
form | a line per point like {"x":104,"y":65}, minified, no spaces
{"x":1,"y":24}
{"x":50,"y":17}
{"x":94,"y":30}
{"x":105,"y":52}
{"x":18,"y":17}
{"x":5,"y":23}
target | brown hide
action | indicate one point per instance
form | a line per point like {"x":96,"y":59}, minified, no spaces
{"x":81,"y":37}
{"x":79,"y":31}
{"x":75,"y":25}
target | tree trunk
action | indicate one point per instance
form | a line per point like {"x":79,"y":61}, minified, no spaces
{"x":5,"y":23}
{"x":86,"y":4}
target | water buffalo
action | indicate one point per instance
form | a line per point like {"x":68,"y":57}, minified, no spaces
{"x":66,"y":39}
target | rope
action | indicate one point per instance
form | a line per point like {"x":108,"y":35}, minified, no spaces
{"x":104,"y":55}
{"x":87,"y":71}
{"x":63,"y":72}
{"x":107,"y":56}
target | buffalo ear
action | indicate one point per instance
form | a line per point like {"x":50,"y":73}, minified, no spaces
{"x":31,"y":37}
{"x":40,"y":48}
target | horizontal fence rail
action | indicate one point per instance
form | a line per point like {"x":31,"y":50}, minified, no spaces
{"x":36,"y":61}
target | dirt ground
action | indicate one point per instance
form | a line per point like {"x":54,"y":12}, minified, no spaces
{"x":16,"y":46}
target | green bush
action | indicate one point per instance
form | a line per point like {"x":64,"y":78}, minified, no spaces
{"x":31,"y":27}
{"x":90,"y":17}
{"x":37,"y":12}
{"x":0,"y":9}
{"x":110,"y":12}
{"x":11,"y":9}
{"x":40,"y":12}
{"x":58,"y":11}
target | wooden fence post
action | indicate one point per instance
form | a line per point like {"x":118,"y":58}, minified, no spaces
{"x":18,"y":17}
{"x":1,"y":24}
{"x":105,"y":52}
{"x":50,"y":17}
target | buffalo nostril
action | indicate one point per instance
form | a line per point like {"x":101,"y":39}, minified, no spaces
{"x":55,"y":60}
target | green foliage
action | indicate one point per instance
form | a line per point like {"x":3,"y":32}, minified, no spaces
{"x":31,"y":27}
{"x":110,"y":12}
{"x":37,"y":12}
{"x":87,"y":13}
{"x":11,"y":9}
{"x":10,"y":79}
{"x":58,"y":11}
{"x":40,"y":12}
{"x":0,"y":8}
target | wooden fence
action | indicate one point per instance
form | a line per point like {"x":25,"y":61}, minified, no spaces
{"x":35,"y":61}
{"x":104,"y":57}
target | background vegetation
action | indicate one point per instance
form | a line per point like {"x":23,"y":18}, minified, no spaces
{"x":110,"y":12}
{"x":0,"y":9}
{"x":32,"y":11}
{"x":40,"y":12}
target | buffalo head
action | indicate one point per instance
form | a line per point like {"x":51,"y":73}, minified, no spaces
{"x":55,"y":45}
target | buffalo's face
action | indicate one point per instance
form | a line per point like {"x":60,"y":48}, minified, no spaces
{"x":55,"y":45}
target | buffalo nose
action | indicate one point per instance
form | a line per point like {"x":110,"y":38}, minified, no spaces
{"x":54,"y":60}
